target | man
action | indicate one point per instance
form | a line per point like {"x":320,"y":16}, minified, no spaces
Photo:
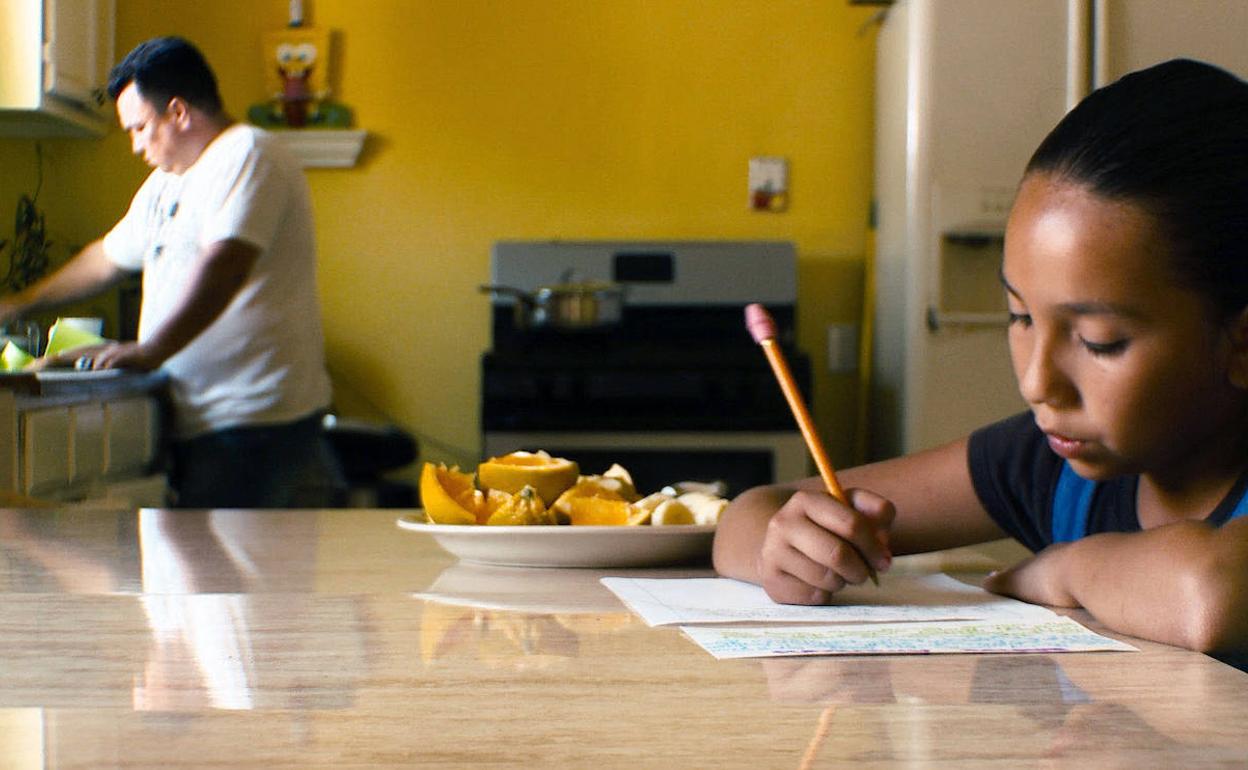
{"x":222,"y":231}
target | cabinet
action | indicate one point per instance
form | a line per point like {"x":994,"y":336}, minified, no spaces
{"x":54,"y":61}
{"x":85,"y":443}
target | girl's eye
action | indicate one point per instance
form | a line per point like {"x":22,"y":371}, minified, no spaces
{"x":1104,"y":348}
{"x":1019,"y":319}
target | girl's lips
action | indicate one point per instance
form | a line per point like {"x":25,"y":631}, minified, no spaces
{"x":1067,"y":448}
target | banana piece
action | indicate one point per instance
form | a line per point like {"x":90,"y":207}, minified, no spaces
{"x":671,"y":512}
{"x":704,"y":507}
{"x":650,"y":502}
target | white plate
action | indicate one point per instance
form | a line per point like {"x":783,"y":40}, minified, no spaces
{"x":569,"y":546}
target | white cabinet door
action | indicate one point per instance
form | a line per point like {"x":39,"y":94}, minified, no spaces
{"x":132,"y":426}
{"x":89,"y":441}
{"x":54,"y":61}
{"x":71,"y":58}
{"x":46,"y":461}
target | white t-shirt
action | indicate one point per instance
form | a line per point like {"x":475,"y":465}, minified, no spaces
{"x":262,"y":361}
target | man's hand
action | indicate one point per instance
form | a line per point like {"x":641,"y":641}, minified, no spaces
{"x":124,"y":355}
{"x":109,"y":355}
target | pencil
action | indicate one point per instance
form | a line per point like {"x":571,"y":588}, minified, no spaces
{"x":763,"y":328}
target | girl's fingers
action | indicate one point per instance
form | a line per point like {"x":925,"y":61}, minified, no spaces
{"x":815,"y":545}
{"x":828,"y":553}
{"x":865,"y":530}
{"x":787,"y":588}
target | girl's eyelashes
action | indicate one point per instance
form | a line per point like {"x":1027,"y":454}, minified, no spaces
{"x":1104,"y":348}
{"x":1019,"y":319}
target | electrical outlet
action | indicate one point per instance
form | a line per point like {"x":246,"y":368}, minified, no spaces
{"x":842,"y":348}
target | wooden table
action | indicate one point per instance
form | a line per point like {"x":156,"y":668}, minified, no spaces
{"x":178,"y":639}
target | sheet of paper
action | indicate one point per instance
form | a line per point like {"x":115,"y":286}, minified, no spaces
{"x":678,"y":601}
{"x":1059,"y":634}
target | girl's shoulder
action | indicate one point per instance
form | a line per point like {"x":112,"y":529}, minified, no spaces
{"x":1014,"y":473}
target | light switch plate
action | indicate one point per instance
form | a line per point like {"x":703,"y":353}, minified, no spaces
{"x":842,"y":348}
{"x":769,"y":183}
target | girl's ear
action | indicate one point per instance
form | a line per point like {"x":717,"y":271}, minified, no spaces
{"x":1237,"y":337}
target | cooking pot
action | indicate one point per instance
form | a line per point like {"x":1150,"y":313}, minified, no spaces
{"x":569,"y":305}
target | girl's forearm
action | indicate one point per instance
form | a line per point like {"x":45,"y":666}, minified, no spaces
{"x":1184,"y":584}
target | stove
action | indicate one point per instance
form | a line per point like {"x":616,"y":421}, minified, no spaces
{"x":677,"y":390}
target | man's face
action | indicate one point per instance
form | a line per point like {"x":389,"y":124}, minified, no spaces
{"x":153,"y":133}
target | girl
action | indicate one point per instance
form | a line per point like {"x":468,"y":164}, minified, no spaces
{"x":1126,"y":276}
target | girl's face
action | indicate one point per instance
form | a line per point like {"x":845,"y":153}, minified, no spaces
{"x":1125,"y":371}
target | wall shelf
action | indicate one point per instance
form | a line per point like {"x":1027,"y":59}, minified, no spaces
{"x":323,"y":147}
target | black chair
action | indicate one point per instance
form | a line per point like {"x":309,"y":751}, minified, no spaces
{"x":367,"y":450}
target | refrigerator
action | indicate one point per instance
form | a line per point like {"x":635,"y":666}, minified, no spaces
{"x":965,"y":91}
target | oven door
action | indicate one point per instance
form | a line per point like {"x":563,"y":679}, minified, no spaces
{"x":657,"y":458}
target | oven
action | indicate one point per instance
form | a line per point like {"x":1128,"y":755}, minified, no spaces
{"x":676,"y":390}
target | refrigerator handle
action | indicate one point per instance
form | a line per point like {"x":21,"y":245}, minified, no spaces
{"x":1079,"y":51}
{"x":1100,"y":43}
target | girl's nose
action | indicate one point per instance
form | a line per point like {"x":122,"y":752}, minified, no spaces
{"x":1041,"y":378}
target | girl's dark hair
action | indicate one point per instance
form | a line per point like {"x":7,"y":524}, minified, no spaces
{"x":1172,"y":139}
{"x":165,"y":67}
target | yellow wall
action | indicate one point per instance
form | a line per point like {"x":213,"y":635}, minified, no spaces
{"x":493,"y":119}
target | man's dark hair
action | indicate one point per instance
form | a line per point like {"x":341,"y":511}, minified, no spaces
{"x":165,"y":67}
{"x":1172,"y":139}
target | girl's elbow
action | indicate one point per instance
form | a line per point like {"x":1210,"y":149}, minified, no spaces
{"x":1217,"y":616}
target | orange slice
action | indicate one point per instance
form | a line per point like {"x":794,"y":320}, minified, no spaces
{"x":599,"y":511}
{"x":521,"y":509}
{"x":549,"y":476}
{"x":448,"y":495}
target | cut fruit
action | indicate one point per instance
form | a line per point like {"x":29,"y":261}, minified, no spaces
{"x":638,"y":516}
{"x":619,"y":475}
{"x":599,"y":512}
{"x":449,"y":496}
{"x":671,"y":512}
{"x":549,"y":476}
{"x":586,"y":487}
{"x":705,"y":507}
{"x":524,"y":508}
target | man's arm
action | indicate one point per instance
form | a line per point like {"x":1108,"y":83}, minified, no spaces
{"x":223,"y":269}
{"x":87,"y":274}
{"x":1184,"y":584}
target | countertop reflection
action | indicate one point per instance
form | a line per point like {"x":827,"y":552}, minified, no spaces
{"x":327,"y":638}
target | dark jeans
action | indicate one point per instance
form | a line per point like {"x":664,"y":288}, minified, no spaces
{"x":289,"y":465}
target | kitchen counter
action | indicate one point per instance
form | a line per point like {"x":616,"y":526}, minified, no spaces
{"x":306,"y":639}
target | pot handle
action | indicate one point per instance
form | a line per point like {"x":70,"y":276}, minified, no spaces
{"x":524,"y":297}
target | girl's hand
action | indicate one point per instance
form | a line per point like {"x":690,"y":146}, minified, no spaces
{"x":814,"y":545}
{"x":1038,"y":579}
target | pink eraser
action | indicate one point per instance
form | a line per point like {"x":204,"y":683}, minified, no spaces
{"x":760,"y":323}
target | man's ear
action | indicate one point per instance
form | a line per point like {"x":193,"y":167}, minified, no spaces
{"x":1237,"y":337}
{"x":179,"y":111}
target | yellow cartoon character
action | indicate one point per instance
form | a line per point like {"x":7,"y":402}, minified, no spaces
{"x":295,"y":62}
